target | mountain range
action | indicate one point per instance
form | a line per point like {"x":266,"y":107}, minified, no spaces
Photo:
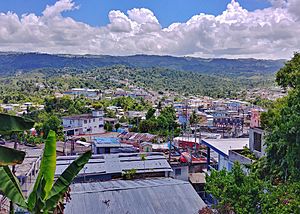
{"x":11,"y":62}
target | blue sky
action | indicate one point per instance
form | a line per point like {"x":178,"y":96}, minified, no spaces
{"x":95,"y":12}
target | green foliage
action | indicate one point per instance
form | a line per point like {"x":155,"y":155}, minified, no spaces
{"x":10,"y":186}
{"x":10,"y":156}
{"x":240,"y":193}
{"x":45,"y":177}
{"x":289,"y":75}
{"x":234,"y":190}
{"x":66,"y":105}
{"x":117,"y":126}
{"x":10,"y":124}
{"x":52,"y":123}
{"x":247,"y":153}
{"x":130,"y":104}
{"x":65,"y":179}
{"x":110,"y":113}
{"x":129,"y":174}
{"x":282,"y":124}
{"x":150,"y":113}
{"x":45,"y":195}
{"x":165,"y":124}
{"x":265,"y":103}
{"x":284,"y":198}
{"x":108,"y":127}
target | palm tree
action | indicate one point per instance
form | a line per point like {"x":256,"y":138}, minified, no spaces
{"x":46,"y":194}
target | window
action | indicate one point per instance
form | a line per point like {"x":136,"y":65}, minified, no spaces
{"x":85,"y":121}
{"x":257,"y":142}
{"x":177,"y":171}
{"x":93,"y":120}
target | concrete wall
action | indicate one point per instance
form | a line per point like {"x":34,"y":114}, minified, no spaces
{"x":184,"y":172}
{"x":235,"y":156}
{"x":252,"y":131}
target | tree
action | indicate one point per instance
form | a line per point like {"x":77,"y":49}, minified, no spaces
{"x":282,"y":125}
{"x":150,"y":113}
{"x":52,"y":123}
{"x":108,"y":126}
{"x":110,"y":113}
{"x":46,"y":194}
{"x":237,"y":192}
{"x":289,"y":75}
{"x":117,"y":126}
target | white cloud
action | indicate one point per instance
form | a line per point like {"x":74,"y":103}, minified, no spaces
{"x":269,"y":33}
{"x":58,"y":7}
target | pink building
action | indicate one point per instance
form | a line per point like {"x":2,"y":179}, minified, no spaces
{"x":255,"y":118}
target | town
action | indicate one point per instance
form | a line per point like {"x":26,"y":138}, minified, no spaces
{"x":150,"y":107}
{"x":205,"y":134}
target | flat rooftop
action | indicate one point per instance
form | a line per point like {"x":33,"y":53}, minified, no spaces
{"x":222,"y":146}
{"x":117,"y":163}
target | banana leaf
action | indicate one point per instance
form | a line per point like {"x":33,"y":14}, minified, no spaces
{"x":10,"y":156}
{"x":10,"y":187}
{"x":65,"y":179}
{"x":10,"y":124}
{"x":45,"y":178}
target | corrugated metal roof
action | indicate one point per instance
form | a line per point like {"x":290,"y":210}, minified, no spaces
{"x":147,"y":196}
{"x":117,"y":163}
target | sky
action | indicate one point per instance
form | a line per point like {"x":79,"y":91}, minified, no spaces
{"x":267,"y":29}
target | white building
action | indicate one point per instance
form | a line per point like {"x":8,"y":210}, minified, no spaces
{"x":90,"y":93}
{"x":218,"y":151}
{"x":84,"y":124}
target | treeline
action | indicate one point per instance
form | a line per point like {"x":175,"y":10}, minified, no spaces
{"x":32,"y":86}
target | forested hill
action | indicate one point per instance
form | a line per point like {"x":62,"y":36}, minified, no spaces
{"x":13,"y":62}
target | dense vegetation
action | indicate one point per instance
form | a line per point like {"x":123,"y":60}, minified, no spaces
{"x":164,"y":125}
{"x":33,"y":86}
{"x":23,"y":62}
{"x":273,"y":182}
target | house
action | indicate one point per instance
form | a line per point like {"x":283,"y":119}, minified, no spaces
{"x":110,"y":145}
{"x":84,"y":124}
{"x":136,"y":139}
{"x":218,"y":151}
{"x":112,"y":166}
{"x":255,"y":118}
{"x":136,"y":114}
{"x":145,"y":147}
{"x":86,"y":92}
{"x":256,"y":134}
{"x":142,"y":196}
{"x":180,"y":171}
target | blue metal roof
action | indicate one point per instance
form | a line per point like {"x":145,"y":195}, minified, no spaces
{"x":107,"y":140}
